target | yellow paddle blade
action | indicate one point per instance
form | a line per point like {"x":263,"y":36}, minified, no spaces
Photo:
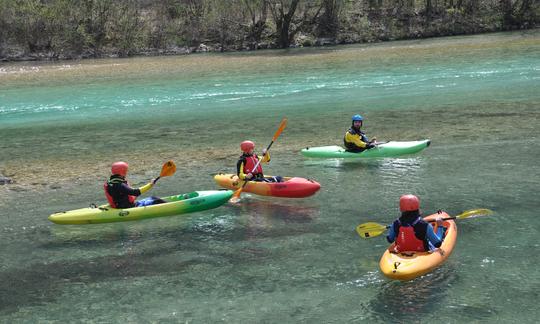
{"x":370,"y":229}
{"x":168,"y":169}
{"x":474,"y":213}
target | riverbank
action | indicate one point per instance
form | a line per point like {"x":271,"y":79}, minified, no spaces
{"x":58,"y":31}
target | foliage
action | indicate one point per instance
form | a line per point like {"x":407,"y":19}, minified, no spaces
{"x":94,"y":28}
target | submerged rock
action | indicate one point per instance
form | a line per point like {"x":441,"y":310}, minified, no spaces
{"x":5,"y":180}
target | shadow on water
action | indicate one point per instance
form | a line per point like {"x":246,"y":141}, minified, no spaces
{"x":42,"y":283}
{"x":402,"y":301}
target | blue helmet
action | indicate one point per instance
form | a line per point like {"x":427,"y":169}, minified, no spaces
{"x":357,"y":118}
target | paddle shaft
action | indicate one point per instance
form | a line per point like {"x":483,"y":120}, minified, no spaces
{"x":446,"y":218}
{"x":371,"y":229}
{"x":258,"y":162}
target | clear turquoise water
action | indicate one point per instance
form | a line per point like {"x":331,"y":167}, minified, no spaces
{"x":273,"y":260}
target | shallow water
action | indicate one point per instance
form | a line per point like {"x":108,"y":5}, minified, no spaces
{"x":273,"y":260}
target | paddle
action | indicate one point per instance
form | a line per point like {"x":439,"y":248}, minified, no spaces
{"x":168,"y":169}
{"x":370,"y":229}
{"x":377,"y":144}
{"x":237,"y":193}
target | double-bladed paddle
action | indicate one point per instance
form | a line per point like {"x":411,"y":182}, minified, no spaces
{"x":371,"y":229}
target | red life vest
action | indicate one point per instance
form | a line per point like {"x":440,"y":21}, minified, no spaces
{"x":249,"y":165}
{"x":112,"y":203}
{"x":406,"y":240}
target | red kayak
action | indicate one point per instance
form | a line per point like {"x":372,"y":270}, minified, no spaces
{"x":291,"y":187}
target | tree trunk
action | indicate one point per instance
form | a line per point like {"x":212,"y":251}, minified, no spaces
{"x":329,"y":23}
{"x":429,"y":9}
{"x":507,"y":14}
{"x":258,"y":14}
{"x":283,"y":21}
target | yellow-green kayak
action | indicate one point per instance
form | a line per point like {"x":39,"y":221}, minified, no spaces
{"x":175,"y":205}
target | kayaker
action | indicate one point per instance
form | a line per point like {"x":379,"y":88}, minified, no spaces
{"x":410,"y":232}
{"x":121,"y":195}
{"x":245,"y":167}
{"x":355,"y":140}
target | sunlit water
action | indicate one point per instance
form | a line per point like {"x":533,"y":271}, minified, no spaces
{"x":264,"y":259}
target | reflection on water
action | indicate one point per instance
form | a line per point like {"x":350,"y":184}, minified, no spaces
{"x":271,"y":209}
{"x":270,"y":218}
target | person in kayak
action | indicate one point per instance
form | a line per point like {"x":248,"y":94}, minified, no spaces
{"x":355,"y":140}
{"x":121,"y":195}
{"x":245,"y":167}
{"x":410,"y":232}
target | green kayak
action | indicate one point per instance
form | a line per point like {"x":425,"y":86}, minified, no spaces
{"x":176,"y":205}
{"x":389,"y":149}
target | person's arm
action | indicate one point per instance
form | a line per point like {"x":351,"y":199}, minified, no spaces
{"x":146,"y":187}
{"x":355,"y":139}
{"x":240,"y":169}
{"x":432,"y":237}
{"x":391,"y":237}
{"x":127,"y":190}
{"x":369,"y":144}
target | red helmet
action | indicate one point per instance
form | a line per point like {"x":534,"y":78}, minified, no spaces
{"x":246,"y":146}
{"x":409,"y":203}
{"x":120,"y":168}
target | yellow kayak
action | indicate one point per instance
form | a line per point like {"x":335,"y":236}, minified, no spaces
{"x":409,"y":265}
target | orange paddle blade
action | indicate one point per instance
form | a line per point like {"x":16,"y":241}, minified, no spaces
{"x":236,"y":195}
{"x":280,"y":129}
{"x":168,"y":169}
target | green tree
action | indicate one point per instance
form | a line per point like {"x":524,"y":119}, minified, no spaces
{"x":30,"y":25}
{"x":95,"y":18}
{"x":127,"y":27}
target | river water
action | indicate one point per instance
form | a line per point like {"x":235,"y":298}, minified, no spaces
{"x":273,"y":260}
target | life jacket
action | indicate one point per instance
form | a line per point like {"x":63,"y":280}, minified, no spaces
{"x":407,"y":240}
{"x":351,"y":147}
{"x":249,"y":165}
{"x":108,"y":187}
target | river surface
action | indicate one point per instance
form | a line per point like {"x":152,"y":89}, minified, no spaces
{"x":273,"y":260}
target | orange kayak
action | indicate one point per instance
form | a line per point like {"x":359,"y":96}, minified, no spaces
{"x":409,"y":265}
{"x":291,"y":187}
